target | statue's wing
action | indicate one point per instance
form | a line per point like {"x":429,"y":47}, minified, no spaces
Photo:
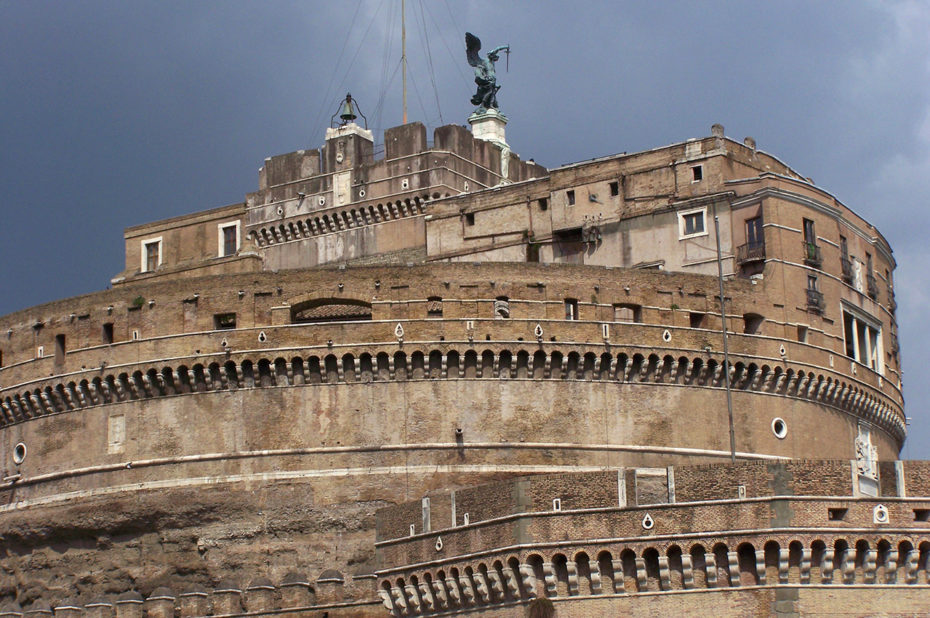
{"x":472,"y":47}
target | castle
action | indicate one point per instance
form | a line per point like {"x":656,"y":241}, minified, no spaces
{"x":437,"y":379}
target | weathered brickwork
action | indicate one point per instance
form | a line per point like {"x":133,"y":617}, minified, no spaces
{"x":440,"y":379}
{"x":621,"y":556}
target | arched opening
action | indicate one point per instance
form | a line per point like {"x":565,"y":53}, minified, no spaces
{"x":435,"y":364}
{"x":523,"y":362}
{"x":453,"y":369}
{"x":504,"y":364}
{"x":628,"y":561}
{"x":560,"y":566}
{"x":471,"y":364}
{"x":417,"y":366}
{"x":583,"y":566}
{"x":722,"y":559}
{"x":699,"y":565}
{"x":651,"y":561}
{"x":746,"y":558}
{"x":330,"y":310}
{"x":675,"y":567}
{"x":605,"y":566}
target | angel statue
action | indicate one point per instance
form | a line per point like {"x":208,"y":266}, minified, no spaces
{"x":486,"y":96}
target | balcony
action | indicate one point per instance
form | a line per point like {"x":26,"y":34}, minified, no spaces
{"x":847,"y":269}
{"x":750,"y":252}
{"x":892,"y":303}
{"x":873,"y":286}
{"x":815,"y":301}
{"x":812,"y":254}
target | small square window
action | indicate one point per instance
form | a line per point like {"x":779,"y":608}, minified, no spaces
{"x":614,"y":189}
{"x":696,"y":319}
{"x":697,"y":173}
{"x":691,"y":223}
{"x":627,"y":313}
{"x":837,"y":514}
{"x":224,"y":321}
{"x":571,"y":197}
{"x":921,"y":514}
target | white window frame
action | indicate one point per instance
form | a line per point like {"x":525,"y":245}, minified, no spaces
{"x":875,"y":353}
{"x":682,"y":235}
{"x":220,"y":228}
{"x":143,"y":244}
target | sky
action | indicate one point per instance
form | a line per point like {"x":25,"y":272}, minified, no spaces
{"x":116,"y":113}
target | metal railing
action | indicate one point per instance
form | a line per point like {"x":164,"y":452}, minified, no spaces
{"x":847,"y":269}
{"x":750,"y":252}
{"x":812,"y":254}
{"x":815,"y":300}
{"x":873,"y":286}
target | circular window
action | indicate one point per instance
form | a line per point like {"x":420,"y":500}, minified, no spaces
{"x":779,"y":428}
{"x":361,"y":192}
{"x":19,"y":453}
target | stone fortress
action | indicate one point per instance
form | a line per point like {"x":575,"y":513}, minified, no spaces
{"x":437,"y":379}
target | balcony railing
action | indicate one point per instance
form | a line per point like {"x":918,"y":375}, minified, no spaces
{"x":815,"y":300}
{"x":812,"y":254}
{"x":873,"y":286}
{"x":847,"y":269}
{"x":892,"y":303}
{"x":751,"y":252}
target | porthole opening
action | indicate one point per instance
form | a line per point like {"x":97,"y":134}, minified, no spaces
{"x":779,"y":428}
{"x":19,"y":453}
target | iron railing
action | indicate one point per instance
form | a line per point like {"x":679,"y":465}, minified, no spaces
{"x":815,"y":300}
{"x":812,"y":254}
{"x":873,"y":286}
{"x":750,"y":252}
{"x":847,"y":269}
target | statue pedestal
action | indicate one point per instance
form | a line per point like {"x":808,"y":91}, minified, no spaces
{"x":489,"y":126}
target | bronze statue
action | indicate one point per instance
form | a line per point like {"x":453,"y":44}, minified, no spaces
{"x":486,"y":78}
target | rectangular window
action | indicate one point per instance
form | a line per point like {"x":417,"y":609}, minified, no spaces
{"x":809,"y":235}
{"x":228,"y":238}
{"x":863,"y":340}
{"x":844,"y":247}
{"x":691,"y":223}
{"x":812,"y":282}
{"x":40,"y":351}
{"x":469,"y":218}
{"x":59,"y":349}
{"x":107,"y":333}
{"x":697,"y":173}
{"x":696,"y":319}
{"x":625,"y":312}
{"x":434,"y":307}
{"x":614,"y":189}
{"x":544,"y":203}
{"x":754,"y":232}
{"x":571,"y":197}
{"x":224,"y":321}
{"x":151,"y":255}
{"x":571,"y":309}
{"x":802,"y":333}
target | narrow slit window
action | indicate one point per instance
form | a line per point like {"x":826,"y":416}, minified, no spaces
{"x":107,"y":333}
{"x":571,"y":309}
{"x":614,"y":189}
{"x":469,"y":218}
{"x":570,"y":195}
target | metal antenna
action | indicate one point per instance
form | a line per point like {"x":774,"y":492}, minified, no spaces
{"x":403,"y":49}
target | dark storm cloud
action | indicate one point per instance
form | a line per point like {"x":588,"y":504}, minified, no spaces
{"x":118,"y":113}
